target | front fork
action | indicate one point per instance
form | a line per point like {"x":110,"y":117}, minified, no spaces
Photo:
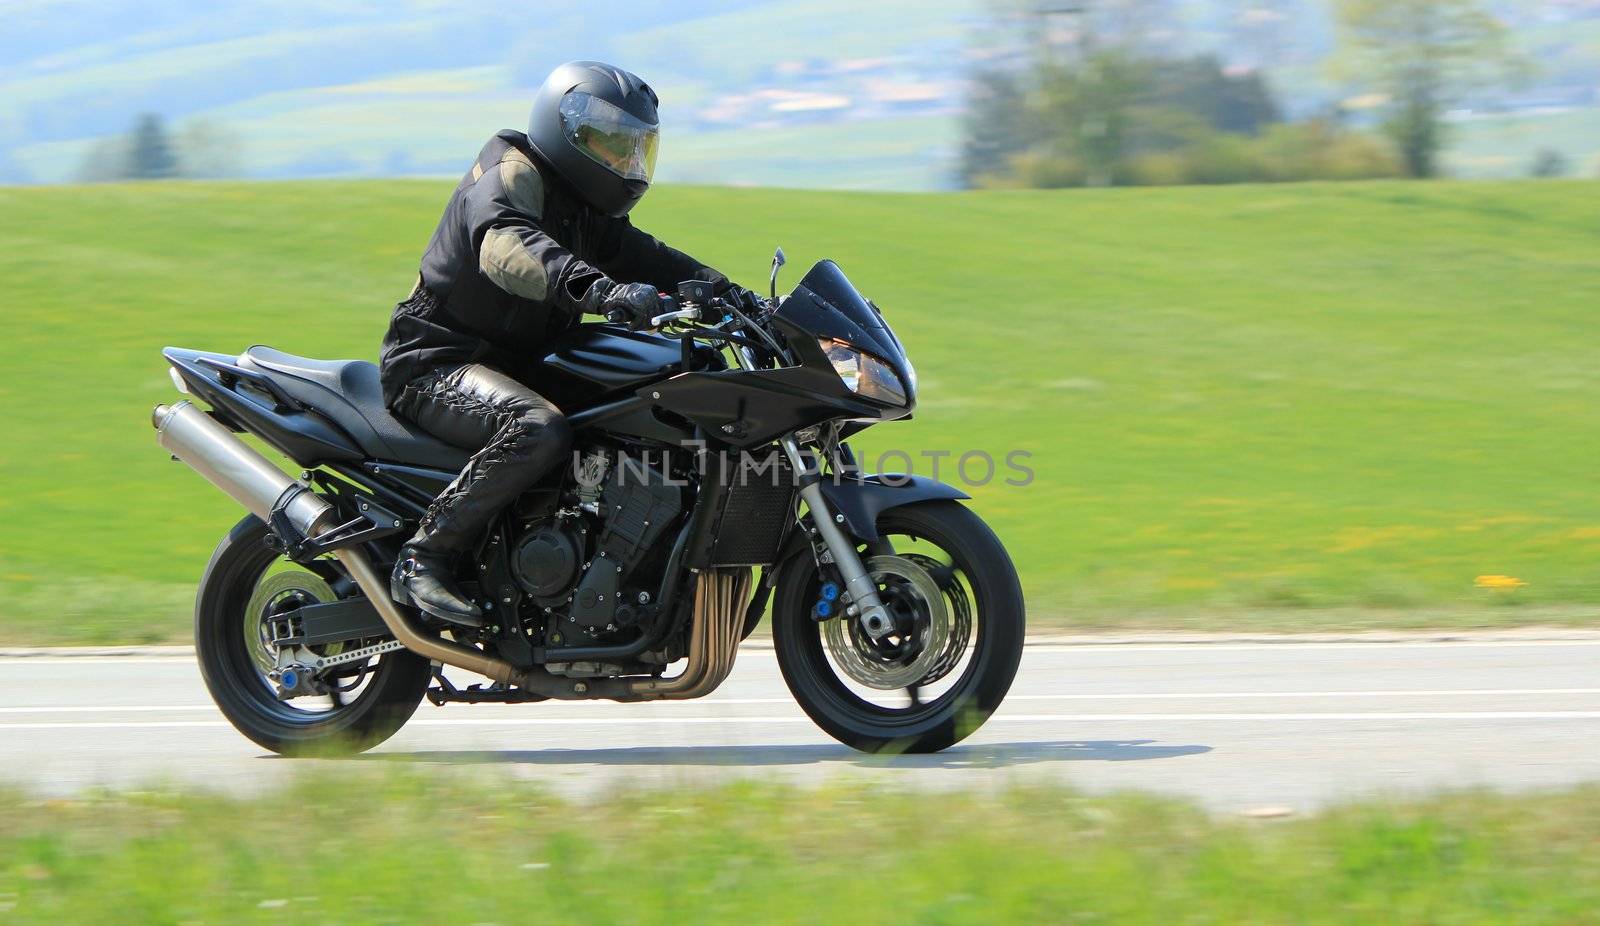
{"x":868,"y":607}
{"x":865,"y":606}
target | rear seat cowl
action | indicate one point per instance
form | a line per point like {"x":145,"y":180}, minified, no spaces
{"x":348,"y":393}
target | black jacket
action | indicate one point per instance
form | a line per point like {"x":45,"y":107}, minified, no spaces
{"x":508,"y":267}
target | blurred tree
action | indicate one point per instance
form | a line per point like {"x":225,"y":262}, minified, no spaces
{"x":1085,"y":110}
{"x":1422,"y":55}
{"x":1081,"y":120}
{"x":1060,"y":101}
{"x":104,"y":160}
{"x":996,"y":124}
{"x":149,"y":150}
{"x":207,"y":150}
{"x":1240,"y":103}
{"x":1547,"y":163}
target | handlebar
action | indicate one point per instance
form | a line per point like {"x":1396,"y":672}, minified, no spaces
{"x":688,"y":313}
{"x":695,"y":311}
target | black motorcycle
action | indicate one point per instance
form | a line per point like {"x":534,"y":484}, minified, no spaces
{"x":709,"y":445}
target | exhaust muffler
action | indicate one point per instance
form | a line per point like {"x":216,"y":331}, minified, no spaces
{"x":252,"y":480}
{"x":228,"y":463}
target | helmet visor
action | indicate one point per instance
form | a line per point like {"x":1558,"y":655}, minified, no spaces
{"x":617,"y":141}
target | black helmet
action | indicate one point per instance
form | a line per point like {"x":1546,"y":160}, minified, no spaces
{"x":596,"y":125}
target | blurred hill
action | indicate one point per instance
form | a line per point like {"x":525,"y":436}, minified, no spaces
{"x":344,"y":87}
{"x":811,"y":93}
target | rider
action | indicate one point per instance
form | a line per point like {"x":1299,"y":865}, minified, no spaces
{"x":535,"y":235}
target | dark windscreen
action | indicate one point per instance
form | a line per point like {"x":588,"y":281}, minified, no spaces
{"x":828,"y":282}
{"x":825,"y":304}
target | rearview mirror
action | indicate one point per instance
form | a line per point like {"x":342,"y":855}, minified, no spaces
{"x":778,"y":260}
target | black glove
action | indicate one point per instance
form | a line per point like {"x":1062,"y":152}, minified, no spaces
{"x":629,"y":302}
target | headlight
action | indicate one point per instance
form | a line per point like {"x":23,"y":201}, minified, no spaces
{"x":864,"y":374}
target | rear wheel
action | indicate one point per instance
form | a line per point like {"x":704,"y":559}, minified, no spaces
{"x":348,"y":708}
{"x":951,"y":588}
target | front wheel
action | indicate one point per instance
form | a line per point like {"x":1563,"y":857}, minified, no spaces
{"x":947,"y":664}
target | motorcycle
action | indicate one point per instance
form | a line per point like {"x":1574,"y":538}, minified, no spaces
{"x":710,"y":443}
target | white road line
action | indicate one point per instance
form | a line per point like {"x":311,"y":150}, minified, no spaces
{"x":1096,"y":696}
{"x":1094,"y":648}
{"x":22,"y":662}
{"x":109,"y":709}
{"x":1289,"y":646}
{"x":1385,"y":693}
{"x":113,"y":725}
{"x":1031,"y":718}
{"x":737,"y":720}
{"x":1219,"y":695}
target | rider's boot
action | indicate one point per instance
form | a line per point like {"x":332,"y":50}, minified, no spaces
{"x":427,"y":580}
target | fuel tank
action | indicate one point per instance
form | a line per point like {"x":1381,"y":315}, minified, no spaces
{"x":591,"y":363}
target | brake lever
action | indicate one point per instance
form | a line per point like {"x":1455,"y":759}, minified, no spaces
{"x":691,"y":313}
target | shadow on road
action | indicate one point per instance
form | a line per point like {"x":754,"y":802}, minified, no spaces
{"x":996,"y":755}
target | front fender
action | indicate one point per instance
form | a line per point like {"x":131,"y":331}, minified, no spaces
{"x":861,"y":499}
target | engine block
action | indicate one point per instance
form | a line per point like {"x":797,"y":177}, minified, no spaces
{"x":638,"y":503}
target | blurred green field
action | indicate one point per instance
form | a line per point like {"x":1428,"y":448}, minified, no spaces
{"x":364,"y":848}
{"x":1284,"y":407}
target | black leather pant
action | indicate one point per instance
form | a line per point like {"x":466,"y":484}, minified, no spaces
{"x":517,"y":435}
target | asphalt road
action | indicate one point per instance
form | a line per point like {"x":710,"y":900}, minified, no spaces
{"x":1238,"y":726}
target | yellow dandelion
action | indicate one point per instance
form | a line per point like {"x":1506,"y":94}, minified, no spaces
{"x":1499,"y":582}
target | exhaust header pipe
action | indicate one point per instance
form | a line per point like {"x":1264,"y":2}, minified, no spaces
{"x":250,"y":479}
{"x":253,"y":481}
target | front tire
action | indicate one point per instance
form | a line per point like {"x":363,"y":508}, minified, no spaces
{"x":231,"y":662}
{"x":982,"y":599}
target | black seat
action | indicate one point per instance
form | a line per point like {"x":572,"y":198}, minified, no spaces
{"x":348,"y":393}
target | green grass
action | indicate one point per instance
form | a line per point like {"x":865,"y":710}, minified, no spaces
{"x":387,"y":849}
{"x":1305,"y":406}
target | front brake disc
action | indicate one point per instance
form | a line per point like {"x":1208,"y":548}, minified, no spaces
{"x":858,"y":657}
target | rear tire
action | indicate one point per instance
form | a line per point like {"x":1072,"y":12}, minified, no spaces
{"x":995,"y":637}
{"x":396,"y":686}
